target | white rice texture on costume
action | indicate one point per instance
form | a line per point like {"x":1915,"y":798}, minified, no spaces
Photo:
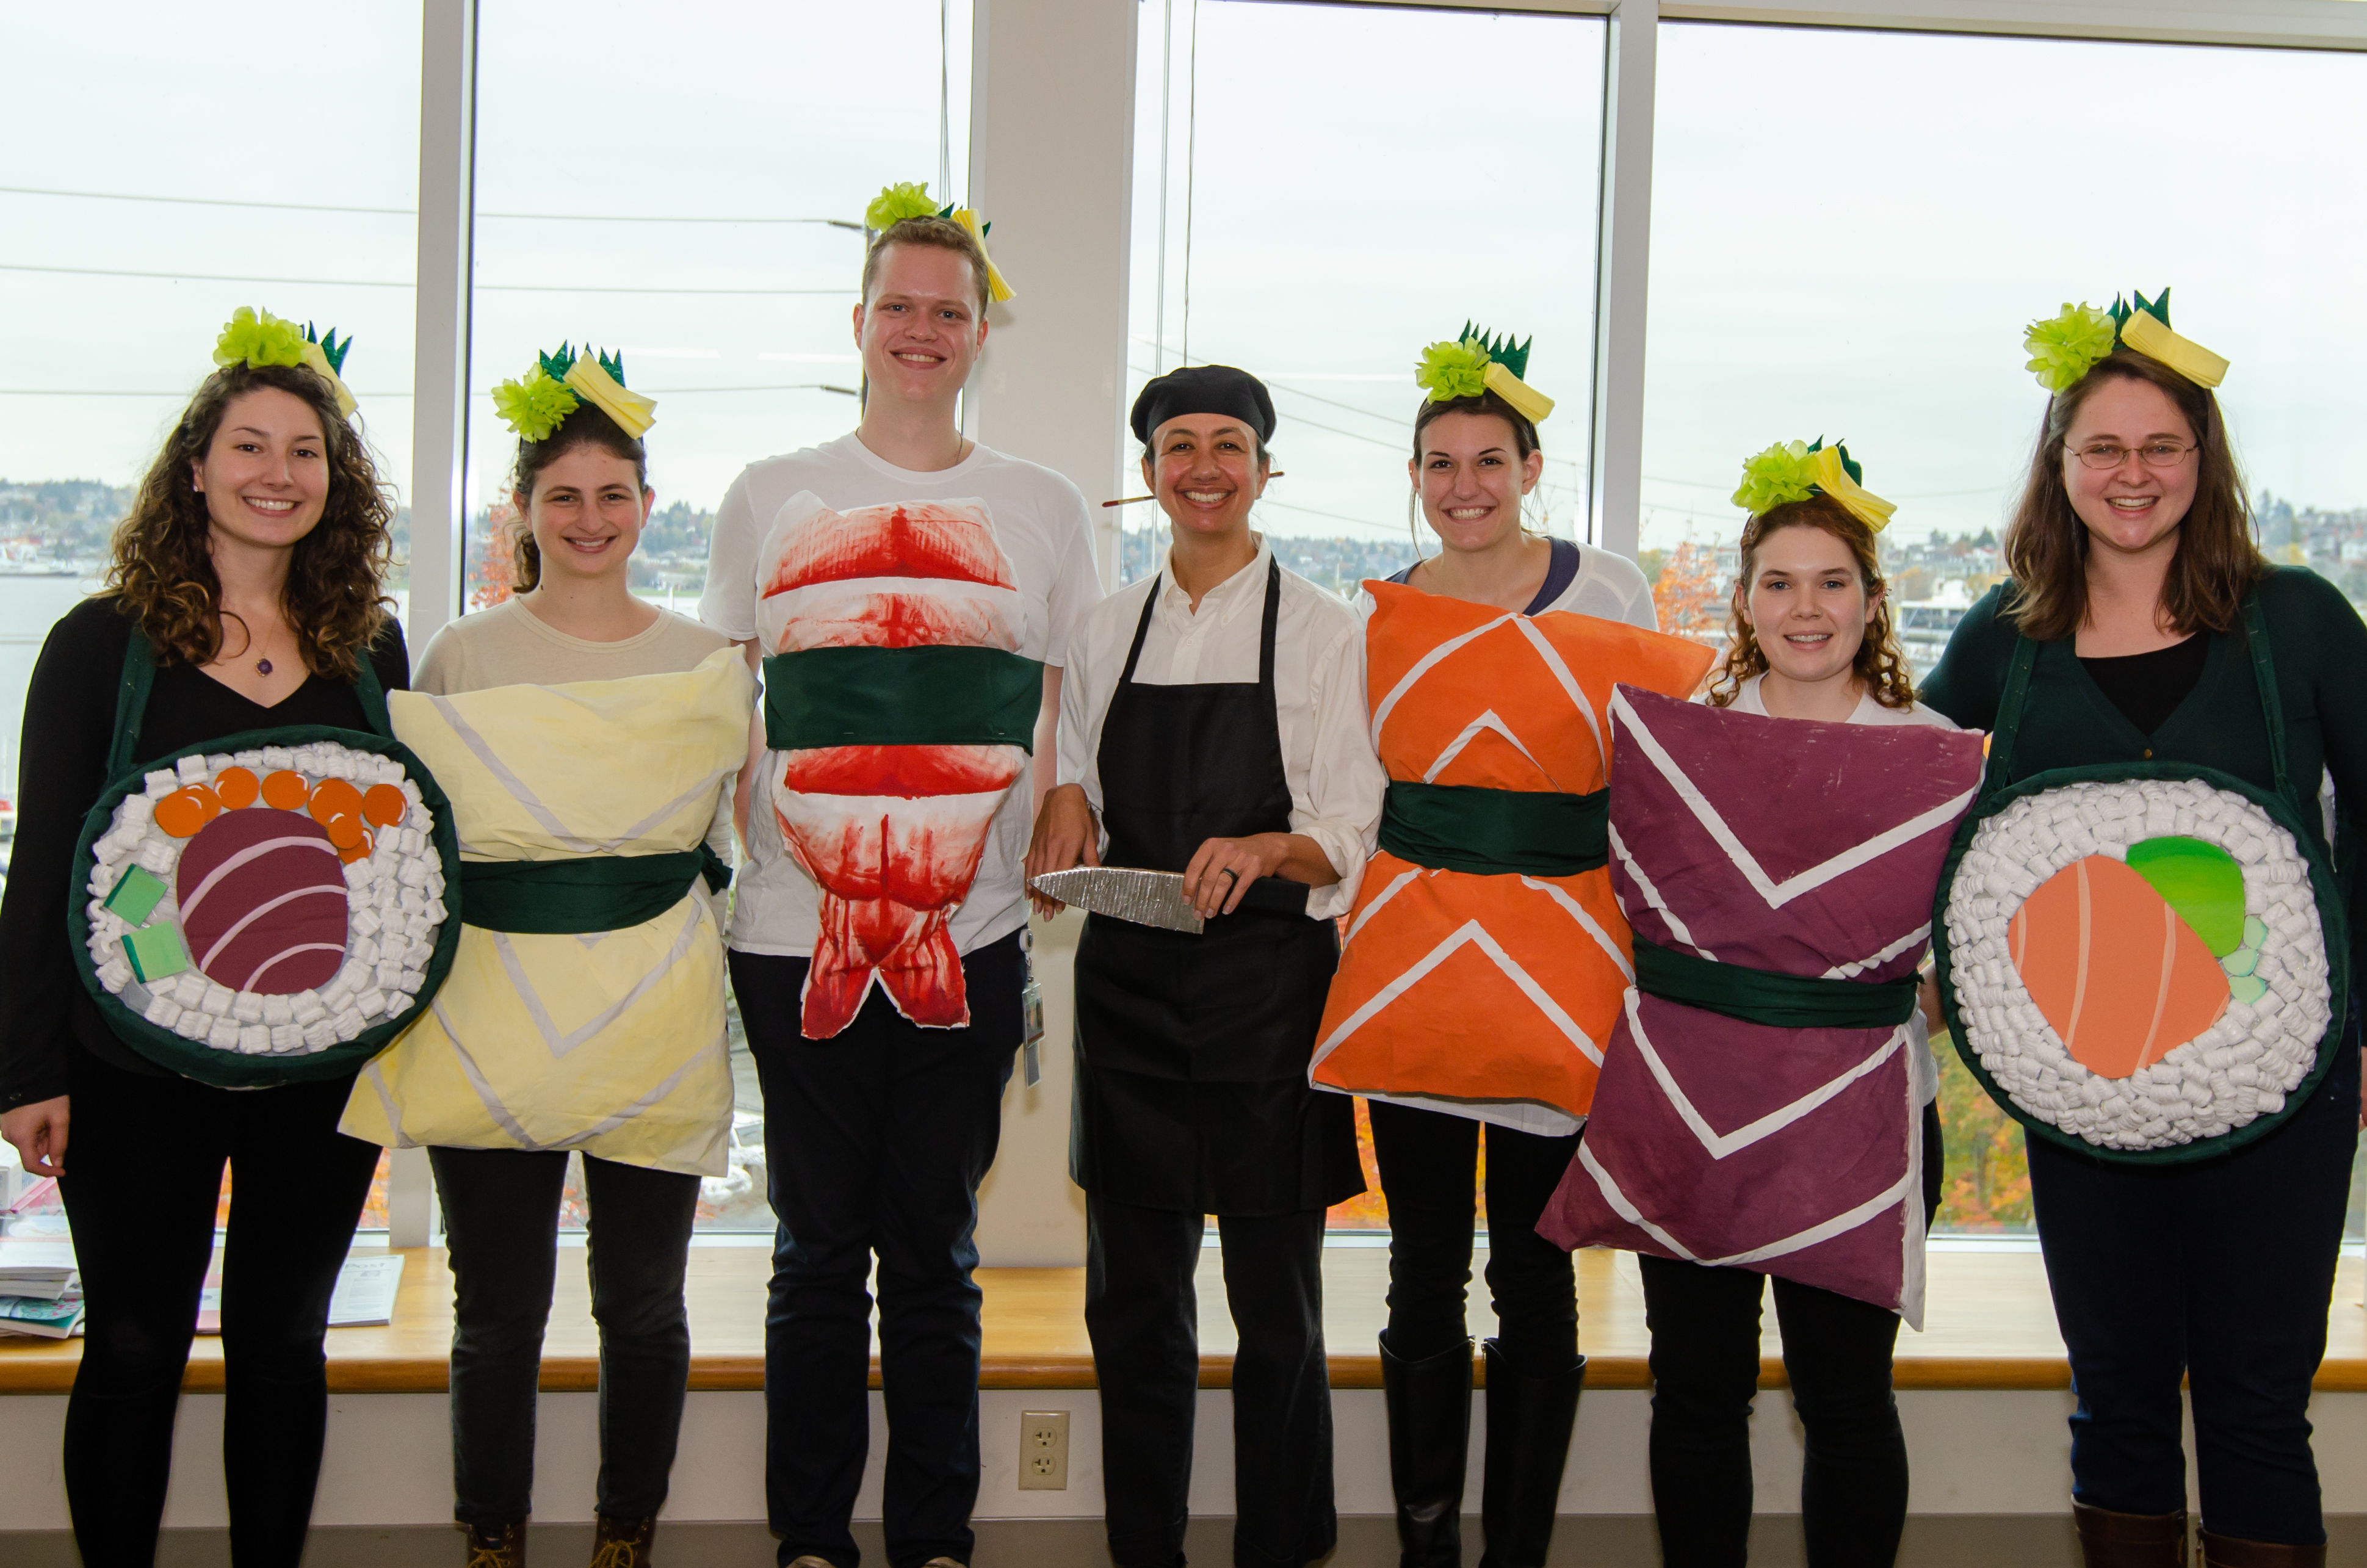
{"x":2111,"y":979}
{"x":268,"y":902}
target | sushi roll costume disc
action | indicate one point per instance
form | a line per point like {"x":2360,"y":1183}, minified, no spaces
{"x":2149,"y":961}
{"x":269,"y":910}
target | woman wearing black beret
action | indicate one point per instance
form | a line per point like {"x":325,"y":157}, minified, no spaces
{"x":1212,"y":724}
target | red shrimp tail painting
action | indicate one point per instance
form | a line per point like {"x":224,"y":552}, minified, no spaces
{"x":892,"y":835}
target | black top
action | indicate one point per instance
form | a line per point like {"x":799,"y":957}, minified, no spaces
{"x":1560,"y":572}
{"x":2069,"y":722}
{"x":2147,"y":688}
{"x":69,"y":727}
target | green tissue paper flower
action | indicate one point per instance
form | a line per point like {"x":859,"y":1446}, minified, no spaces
{"x":1775,"y":477}
{"x":897,"y":202}
{"x":258,"y":338}
{"x":2064,"y":348}
{"x":534,"y":405}
{"x":1450,"y":371}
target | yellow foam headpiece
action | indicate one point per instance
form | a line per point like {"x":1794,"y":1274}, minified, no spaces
{"x":1789,"y":471}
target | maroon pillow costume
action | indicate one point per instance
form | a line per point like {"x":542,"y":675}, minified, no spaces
{"x":1806,"y":849}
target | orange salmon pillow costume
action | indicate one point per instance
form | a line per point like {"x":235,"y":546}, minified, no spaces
{"x":1485,"y":956}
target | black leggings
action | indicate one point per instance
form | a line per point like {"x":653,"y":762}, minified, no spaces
{"x":146,"y":1165}
{"x":501,"y":1220}
{"x":1704,"y":1326}
{"x":1428,"y":1159}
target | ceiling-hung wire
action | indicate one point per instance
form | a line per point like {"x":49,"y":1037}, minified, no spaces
{"x":1191,"y":178}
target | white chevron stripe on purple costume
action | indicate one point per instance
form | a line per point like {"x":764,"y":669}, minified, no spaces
{"x":1807,"y":849}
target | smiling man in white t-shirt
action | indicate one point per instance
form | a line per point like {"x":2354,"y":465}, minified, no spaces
{"x":909,"y":592}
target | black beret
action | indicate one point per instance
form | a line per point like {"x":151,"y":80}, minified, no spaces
{"x":1204,"y":389}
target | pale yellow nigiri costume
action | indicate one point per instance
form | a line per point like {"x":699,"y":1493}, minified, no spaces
{"x":607,"y":1041}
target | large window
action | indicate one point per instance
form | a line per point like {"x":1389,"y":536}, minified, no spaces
{"x":1848,"y":230}
{"x":1319,"y":191}
{"x":157,"y":171}
{"x":710,"y":230}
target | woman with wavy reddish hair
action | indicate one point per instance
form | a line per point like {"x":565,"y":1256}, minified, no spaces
{"x":252,"y":561}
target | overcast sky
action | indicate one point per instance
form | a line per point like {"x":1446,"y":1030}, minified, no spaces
{"x":1850,"y":229}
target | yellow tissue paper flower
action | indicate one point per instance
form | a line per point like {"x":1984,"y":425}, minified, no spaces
{"x":897,"y":202}
{"x":1784,"y":473}
{"x":533,"y":404}
{"x":1451,"y":369}
{"x":258,"y":338}
{"x":2066,"y":346}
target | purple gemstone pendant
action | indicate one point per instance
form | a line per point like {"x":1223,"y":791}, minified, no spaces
{"x":263,"y":667}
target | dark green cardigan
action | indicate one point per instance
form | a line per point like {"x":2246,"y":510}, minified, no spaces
{"x":2321,"y":657}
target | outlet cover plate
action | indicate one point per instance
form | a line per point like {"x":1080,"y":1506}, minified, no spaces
{"x":1043,"y":1451}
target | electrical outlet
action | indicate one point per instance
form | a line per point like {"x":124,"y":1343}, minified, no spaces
{"x":1043,"y":1451}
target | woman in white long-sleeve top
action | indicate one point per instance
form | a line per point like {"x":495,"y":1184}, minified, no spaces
{"x":1213,"y":724}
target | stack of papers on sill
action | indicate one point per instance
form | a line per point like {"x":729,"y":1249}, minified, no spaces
{"x":365,"y":1293}
{"x":39,"y":1292}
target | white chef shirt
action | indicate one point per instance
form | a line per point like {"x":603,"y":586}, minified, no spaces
{"x":1336,"y":781}
{"x":1924,"y":1071}
{"x":1040,"y":521}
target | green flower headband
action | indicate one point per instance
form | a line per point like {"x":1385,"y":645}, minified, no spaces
{"x":1792,"y":471}
{"x":906,"y":199}
{"x":2066,"y":346}
{"x":536,"y":403}
{"x":258,"y":338}
{"x":1471,"y":363}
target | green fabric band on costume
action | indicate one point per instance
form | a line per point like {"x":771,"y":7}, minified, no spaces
{"x":1765,"y":996}
{"x":1490,"y":832}
{"x":594,"y":892}
{"x":902,"y":697}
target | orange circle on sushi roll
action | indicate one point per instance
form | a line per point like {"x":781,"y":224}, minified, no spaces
{"x":334,"y":798}
{"x":285,"y":791}
{"x":345,"y":829}
{"x":356,"y":851}
{"x":2123,"y":979}
{"x":184,"y":811}
{"x":236,"y":789}
{"x":384,"y":804}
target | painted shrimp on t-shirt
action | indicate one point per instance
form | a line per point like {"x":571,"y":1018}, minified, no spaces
{"x":891,"y":835}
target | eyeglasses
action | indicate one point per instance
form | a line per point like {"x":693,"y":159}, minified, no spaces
{"x":2153,"y":454}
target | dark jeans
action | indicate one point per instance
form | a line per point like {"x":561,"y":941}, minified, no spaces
{"x":1428,"y":1159}
{"x":501,"y":1223}
{"x":1143,"y":1316}
{"x":1704,"y":1327}
{"x":145,"y":1168}
{"x":874,"y":1142}
{"x":2220,"y":1270}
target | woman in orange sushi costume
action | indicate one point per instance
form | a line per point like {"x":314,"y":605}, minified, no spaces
{"x":1486,"y":955}
{"x":2141,"y":630}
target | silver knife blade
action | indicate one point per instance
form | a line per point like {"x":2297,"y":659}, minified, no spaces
{"x":1125,"y":893}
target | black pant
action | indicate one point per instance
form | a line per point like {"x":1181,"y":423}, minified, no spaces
{"x":1427,"y":1160}
{"x":874,"y":1142}
{"x":2220,"y":1270}
{"x":1143,"y":1315}
{"x":501,"y":1223}
{"x":1704,"y":1327}
{"x":146,"y":1166}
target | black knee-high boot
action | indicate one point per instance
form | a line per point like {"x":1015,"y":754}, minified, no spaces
{"x":1429,"y":1404}
{"x":1529,"y":1423}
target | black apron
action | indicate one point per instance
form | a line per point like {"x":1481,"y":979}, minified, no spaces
{"x":1191,"y":1050}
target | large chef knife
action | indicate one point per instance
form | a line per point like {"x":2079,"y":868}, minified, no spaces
{"x":1156,"y":898}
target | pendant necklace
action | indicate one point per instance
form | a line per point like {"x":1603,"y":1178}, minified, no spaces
{"x":263,"y":665}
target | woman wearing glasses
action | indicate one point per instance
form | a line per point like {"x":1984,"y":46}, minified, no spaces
{"x":2133,"y":576}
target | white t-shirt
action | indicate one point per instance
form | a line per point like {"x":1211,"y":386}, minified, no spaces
{"x":1040,"y":521}
{"x":1607,"y":587}
{"x":1920,"y":1065}
{"x":1336,"y":781}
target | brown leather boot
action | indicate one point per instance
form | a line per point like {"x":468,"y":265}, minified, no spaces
{"x":2226,"y":1551}
{"x":2130,"y":1541}
{"x":502,"y":1547}
{"x":622,"y":1543}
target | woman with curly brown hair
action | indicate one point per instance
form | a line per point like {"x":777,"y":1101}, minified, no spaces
{"x":1809,"y":638}
{"x":252,"y":564}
